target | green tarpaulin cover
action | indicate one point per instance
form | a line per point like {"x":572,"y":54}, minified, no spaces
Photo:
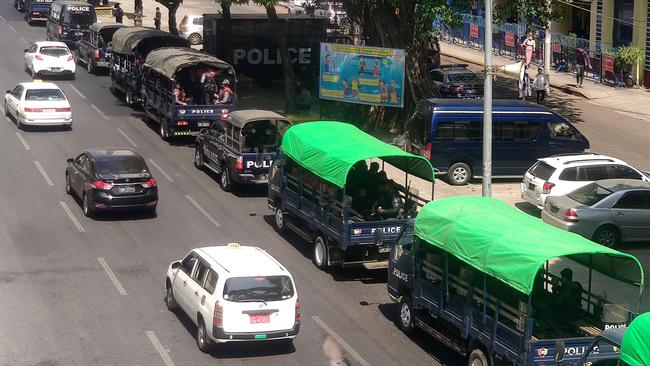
{"x":126,"y":40}
{"x":169,"y":60}
{"x":635,"y":347}
{"x":329,"y":149}
{"x":511,"y":245}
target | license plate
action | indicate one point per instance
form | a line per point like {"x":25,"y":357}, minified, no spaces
{"x":126,"y":189}
{"x":203,"y":124}
{"x":49,"y":110}
{"x":531,"y":186}
{"x":384,"y":249}
{"x":56,"y":69}
{"x":260,"y":318}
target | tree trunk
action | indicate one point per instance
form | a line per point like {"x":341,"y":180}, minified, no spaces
{"x":172,"y":18}
{"x":137,"y":14}
{"x":287,"y":67}
{"x":225,"y":9}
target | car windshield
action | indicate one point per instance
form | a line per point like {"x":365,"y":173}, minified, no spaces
{"x":463,"y":78}
{"x":54,"y":51}
{"x":120,"y":165}
{"x":259,"y":288}
{"x":44,"y":94}
{"x":590,"y":194}
{"x":79,"y":18}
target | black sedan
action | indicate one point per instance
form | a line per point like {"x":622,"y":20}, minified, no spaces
{"x":106,"y":179}
{"x":457,"y":81}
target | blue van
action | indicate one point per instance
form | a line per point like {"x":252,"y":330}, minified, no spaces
{"x":450,"y":134}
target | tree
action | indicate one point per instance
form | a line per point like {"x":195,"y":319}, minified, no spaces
{"x":227,"y":16}
{"x":172,"y":7}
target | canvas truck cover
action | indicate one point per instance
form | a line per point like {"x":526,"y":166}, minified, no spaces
{"x":635,"y":347}
{"x":127,"y":40}
{"x":171,"y":59}
{"x":512,"y":246}
{"x":330,"y":149}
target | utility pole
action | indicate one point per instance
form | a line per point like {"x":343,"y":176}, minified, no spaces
{"x":547,"y":45}
{"x":487,"y":104}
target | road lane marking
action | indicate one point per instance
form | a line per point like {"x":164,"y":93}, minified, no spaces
{"x":169,"y":178}
{"x":347,"y":347}
{"x":203,"y":211}
{"x":24,"y":40}
{"x":104,"y":116}
{"x":3,"y":19}
{"x":159,"y":347}
{"x":43,"y":173}
{"x":13,"y":29}
{"x":78,"y":92}
{"x":22,"y":140}
{"x":112,"y":276}
{"x":72,"y":218}
{"x":126,"y":137}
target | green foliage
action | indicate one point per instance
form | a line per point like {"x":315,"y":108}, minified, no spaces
{"x":627,"y":57}
{"x":541,"y":11}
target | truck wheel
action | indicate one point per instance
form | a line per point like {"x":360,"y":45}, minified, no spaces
{"x":320,"y":255}
{"x":164,"y":128}
{"x":280,"y":220}
{"x":224,"y":180}
{"x":195,"y":39}
{"x":198,"y":158}
{"x":406,"y":315}
{"x":90,"y":67}
{"x":459,"y":174}
{"x":128,"y":98}
{"x":477,"y":358}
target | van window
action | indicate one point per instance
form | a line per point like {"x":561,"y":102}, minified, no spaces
{"x":569,"y":175}
{"x":560,"y":129}
{"x":211,"y":282}
{"x":201,"y":271}
{"x":187,"y":265}
{"x":593,"y":173}
{"x":260,"y":288}
{"x":80,"y":18}
{"x":197,"y":21}
{"x":517,"y":131}
{"x":459,"y":131}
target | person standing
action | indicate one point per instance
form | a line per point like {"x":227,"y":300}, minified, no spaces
{"x":523,"y":83}
{"x":157,"y":18}
{"x":118,"y":13}
{"x":582,"y":62}
{"x":540,"y":85}
{"x":529,"y":47}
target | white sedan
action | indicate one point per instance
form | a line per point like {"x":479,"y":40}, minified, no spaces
{"x":38,"y":104}
{"x":49,"y":58}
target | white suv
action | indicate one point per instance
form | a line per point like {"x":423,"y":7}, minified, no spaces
{"x":234,"y":293}
{"x":560,"y":174}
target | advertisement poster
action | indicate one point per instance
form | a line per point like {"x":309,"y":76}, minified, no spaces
{"x":363,"y":75}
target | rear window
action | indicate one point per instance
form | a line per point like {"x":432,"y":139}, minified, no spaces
{"x":542,"y":170}
{"x":54,"y":51}
{"x":121,"y":165}
{"x":467,"y":77}
{"x":259,"y":288}
{"x":44,"y":94}
{"x":80,"y":18}
{"x":590,"y":194}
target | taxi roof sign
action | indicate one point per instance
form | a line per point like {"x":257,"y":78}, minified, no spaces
{"x":233,"y":245}
{"x":38,"y":80}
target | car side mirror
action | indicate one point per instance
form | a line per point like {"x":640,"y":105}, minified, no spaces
{"x":176,"y":265}
{"x":560,"y":349}
{"x":70,"y":160}
{"x":26,"y":50}
{"x":7,"y":91}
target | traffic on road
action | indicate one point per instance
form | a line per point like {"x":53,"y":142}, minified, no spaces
{"x":115,"y":231}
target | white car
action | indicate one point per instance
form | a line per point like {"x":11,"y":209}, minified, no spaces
{"x":234,"y":293}
{"x":560,"y":174}
{"x":38,"y":104}
{"x":49,"y":58}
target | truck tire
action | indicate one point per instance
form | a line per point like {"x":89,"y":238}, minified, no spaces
{"x":164,"y":128}
{"x":90,"y":66}
{"x":406,"y":315}
{"x":459,"y":174}
{"x":198,"y":158}
{"x":478,"y":358}
{"x":225,"y":180}
{"x":128,"y":97}
{"x":321,"y":253}
{"x":280,"y":221}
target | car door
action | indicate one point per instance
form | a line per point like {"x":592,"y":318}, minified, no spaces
{"x":212,"y":138}
{"x":75,"y":174}
{"x":195,"y":294}
{"x":13,"y":101}
{"x":632,"y":215}
{"x":182,"y":279}
{"x":85,"y":175}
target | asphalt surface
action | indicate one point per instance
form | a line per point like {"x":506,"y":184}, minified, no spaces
{"x":77,"y":291}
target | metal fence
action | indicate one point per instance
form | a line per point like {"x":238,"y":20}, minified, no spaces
{"x":507,"y":39}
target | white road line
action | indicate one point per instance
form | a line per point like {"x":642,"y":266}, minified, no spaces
{"x":43,"y":173}
{"x":13,"y":29}
{"x":104,"y":116}
{"x":22,"y":140}
{"x":347,"y":347}
{"x":24,"y":40}
{"x":78,"y":92}
{"x":159,"y":347}
{"x":72,"y":218}
{"x":203,"y":211}
{"x":126,"y":137}
{"x":3,"y":19}
{"x":112,"y":276}
{"x":169,"y":178}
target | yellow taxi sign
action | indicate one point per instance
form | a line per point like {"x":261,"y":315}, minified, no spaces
{"x":233,"y":245}
{"x":37,"y":80}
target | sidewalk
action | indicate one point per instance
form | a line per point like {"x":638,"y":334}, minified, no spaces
{"x":632,"y":102}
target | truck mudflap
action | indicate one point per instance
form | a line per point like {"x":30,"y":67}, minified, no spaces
{"x":379,"y":233}
{"x":543,"y":352}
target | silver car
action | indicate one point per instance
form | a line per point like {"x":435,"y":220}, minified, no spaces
{"x":191,"y":28}
{"x":607,"y":211}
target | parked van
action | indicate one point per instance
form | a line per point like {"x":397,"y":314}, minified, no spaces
{"x":69,"y":21}
{"x":450,"y":134}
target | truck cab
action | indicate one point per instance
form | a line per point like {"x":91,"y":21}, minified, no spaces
{"x":95,"y":49}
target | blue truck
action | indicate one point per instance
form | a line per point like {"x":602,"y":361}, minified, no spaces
{"x":37,"y":10}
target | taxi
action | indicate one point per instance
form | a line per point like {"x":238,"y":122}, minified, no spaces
{"x":38,"y":104}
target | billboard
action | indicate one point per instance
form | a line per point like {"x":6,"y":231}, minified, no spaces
{"x":360,"y":74}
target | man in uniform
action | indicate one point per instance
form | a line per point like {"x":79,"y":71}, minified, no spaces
{"x":118,"y":13}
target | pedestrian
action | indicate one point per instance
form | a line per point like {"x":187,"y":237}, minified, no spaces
{"x":523,"y":83}
{"x":118,"y":13}
{"x":529,"y":47}
{"x":582,"y":62}
{"x":157,"y":18}
{"x":334,"y":352}
{"x":540,"y":85}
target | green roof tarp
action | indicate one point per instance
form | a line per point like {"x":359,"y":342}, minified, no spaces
{"x":329,"y":149}
{"x":510,"y":245}
{"x":635,"y":347}
{"x":126,"y":40}
{"x":169,"y":60}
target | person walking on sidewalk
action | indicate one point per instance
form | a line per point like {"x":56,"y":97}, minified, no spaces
{"x":523,"y":83}
{"x":529,"y":47}
{"x":118,"y":13}
{"x":540,"y":85}
{"x":157,"y":18}
{"x":582,"y":62}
